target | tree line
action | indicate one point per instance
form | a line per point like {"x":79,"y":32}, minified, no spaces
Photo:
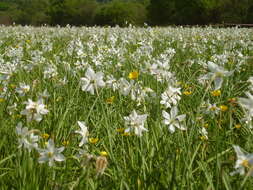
{"x":121,"y":12}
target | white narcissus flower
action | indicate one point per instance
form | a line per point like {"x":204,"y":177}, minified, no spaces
{"x":244,"y":161}
{"x":136,"y":123}
{"x":26,"y":138}
{"x":92,"y":81}
{"x":173,"y":120}
{"x":131,"y":88}
{"x":22,"y":89}
{"x":51,"y":153}
{"x":34,"y":110}
{"x":50,"y":72}
{"x":112,"y":83}
{"x":204,"y":132}
{"x":247,"y":103}
{"x":251,"y":83}
{"x":170,"y":97}
{"x":216,"y":74}
{"x":84,"y":132}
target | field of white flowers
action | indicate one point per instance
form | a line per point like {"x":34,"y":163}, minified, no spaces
{"x":126,"y":108}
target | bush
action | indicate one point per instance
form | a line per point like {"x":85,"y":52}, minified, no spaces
{"x":118,"y":13}
{"x":80,"y":12}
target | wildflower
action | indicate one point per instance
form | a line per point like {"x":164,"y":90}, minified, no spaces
{"x":51,"y":153}
{"x":232,"y":101}
{"x":244,"y":161}
{"x":187,"y":93}
{"x":83,"y":132}
{"x":136,"y":123}
{"x":173,"y":120}
{"x":110,"y":100}
{"x":112,"y":83}
{"x":65,"y":143}
{"x":92,"y":81}
{"x":125,"y":134}
{"x":34,"y":110}
{"x":11,"y":109}
{"x":203,"y":133}
{"x":45,"y":136}
{"x":133,"y":75}
{"x":93,"y":140}
{"x":22,"y":89}
{"x":210,"y":109}
{"x":126,"y":88}
{"x":103,"y":153}
{"x":26,"y":137}
{"x":170,"y":97}
{"x":223,"y":108}
{"x":120,"y":130}
{"x":101,"y":164}
{"x":216,"y":74}
{"x":216,"y":93}
{"x":44,"y":94}
{"x":247,"y":103}
{"x":238,"y":126}
{"x":50,"y":72}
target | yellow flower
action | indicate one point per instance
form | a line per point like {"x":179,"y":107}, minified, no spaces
{"x":238,"y":126}
{"x":120,"y":130}
{"x":126,"y":134}
{"x":45,"y":136}
{"x":2,"y":100}
{"x":93,"y":140}
{"x":187,"y":93}
{"x":223,"y":108}
{"x":206,"y":125}
{"x":65,"y":143}
{"x":203,"y":138}
{"x":216,"y":93}
{"x":232,"y":101}
{"x":110,"y":100}
{"x":133,"y":75}
{"x":103,"y":153}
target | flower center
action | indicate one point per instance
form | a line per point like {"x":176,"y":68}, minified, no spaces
{"x":245,"y":163}
{"x":50,"y":154}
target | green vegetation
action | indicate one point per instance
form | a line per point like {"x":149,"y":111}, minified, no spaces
{"x":118,"y":12}
{"x":126,"y":108}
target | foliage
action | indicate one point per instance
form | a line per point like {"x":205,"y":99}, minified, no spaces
{"x":126,"y":108}
{"x":120,"y":13}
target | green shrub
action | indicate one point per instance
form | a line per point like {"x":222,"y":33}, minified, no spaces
{"x":118,"y":13}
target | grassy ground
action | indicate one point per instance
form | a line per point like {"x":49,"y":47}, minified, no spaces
{"x":139,"y":68}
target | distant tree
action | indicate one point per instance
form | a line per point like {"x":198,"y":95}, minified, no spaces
{"x":31,"y":12}
{"x":119,"y":12}
{"x":57,"y":12}
{"x":80,"y":12}
{"x":161,"y":12}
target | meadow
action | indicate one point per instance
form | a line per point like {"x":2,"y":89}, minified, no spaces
{"x":126,"y":108}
